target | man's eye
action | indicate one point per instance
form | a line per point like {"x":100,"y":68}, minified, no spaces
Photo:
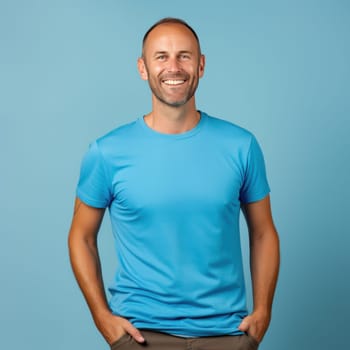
{"x":184,"y":57}
{"x":161,"y":57}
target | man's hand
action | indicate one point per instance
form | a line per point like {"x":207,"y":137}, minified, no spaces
{"x":255,"y":325}
{"x":114,"y":327}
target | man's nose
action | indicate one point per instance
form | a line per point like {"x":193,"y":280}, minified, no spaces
{"x":173,"y":65}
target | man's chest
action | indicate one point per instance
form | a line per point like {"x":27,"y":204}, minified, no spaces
{"x":178,"y":180}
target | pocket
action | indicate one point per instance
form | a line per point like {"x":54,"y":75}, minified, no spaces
{"x":123,"y":339}
{"x":252,"y":341}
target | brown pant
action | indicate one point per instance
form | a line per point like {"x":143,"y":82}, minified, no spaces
{"x":161,"y":341}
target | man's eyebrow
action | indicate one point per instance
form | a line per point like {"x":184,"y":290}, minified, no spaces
{"x":186,"y":51}
{"x":160,"y":53}
{"x":179,"y":53}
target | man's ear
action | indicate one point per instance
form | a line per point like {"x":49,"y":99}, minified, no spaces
{"x":201,"y":65}
{"x":142,"y":68}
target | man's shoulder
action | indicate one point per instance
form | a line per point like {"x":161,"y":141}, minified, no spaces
{"x":121,"y":133}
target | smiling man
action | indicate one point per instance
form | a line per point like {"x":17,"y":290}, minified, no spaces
{"x":172,"y":63}
{"x":174,"y":182}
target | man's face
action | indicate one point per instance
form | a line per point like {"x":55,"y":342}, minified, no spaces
{"x":172,"y":64}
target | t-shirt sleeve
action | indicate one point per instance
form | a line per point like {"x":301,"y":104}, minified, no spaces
{"x":94,"y":185}
{"x":255,"y":185}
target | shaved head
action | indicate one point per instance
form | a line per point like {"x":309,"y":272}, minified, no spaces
{"x":170,"y":20}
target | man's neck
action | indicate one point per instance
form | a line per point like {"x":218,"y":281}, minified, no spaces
{"x":173,"y":120}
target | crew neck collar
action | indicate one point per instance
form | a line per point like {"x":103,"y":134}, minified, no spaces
{"x":184,"y":134}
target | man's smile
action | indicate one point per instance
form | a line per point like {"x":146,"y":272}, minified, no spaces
{"x":173,"y":82}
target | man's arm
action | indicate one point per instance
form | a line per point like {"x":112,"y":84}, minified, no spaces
{"x":264,"y":265}
{"x":86,"y":266}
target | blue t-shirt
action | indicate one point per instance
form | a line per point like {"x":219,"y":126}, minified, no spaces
{"x":174,"y":203}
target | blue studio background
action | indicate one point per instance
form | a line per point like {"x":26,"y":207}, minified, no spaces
{"x":68,"y":75}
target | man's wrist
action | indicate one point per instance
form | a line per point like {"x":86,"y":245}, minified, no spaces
{"x":262,"y":310}
{"x":101,"y":315}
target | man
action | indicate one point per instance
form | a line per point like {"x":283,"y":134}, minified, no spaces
{"x":174,"y":182}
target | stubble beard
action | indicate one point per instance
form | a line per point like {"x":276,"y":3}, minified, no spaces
{"x":175,"y":104}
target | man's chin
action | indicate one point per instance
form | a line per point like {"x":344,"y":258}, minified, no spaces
{"x":173,"y":103}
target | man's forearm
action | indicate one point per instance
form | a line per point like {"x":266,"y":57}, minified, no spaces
{"x":87,"y":270}
{"x":264,"y":265}
{"x":264,"y":262}
{"x":86,"y":266}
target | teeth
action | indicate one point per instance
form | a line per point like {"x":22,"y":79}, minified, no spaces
{"x":173,"y":82}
